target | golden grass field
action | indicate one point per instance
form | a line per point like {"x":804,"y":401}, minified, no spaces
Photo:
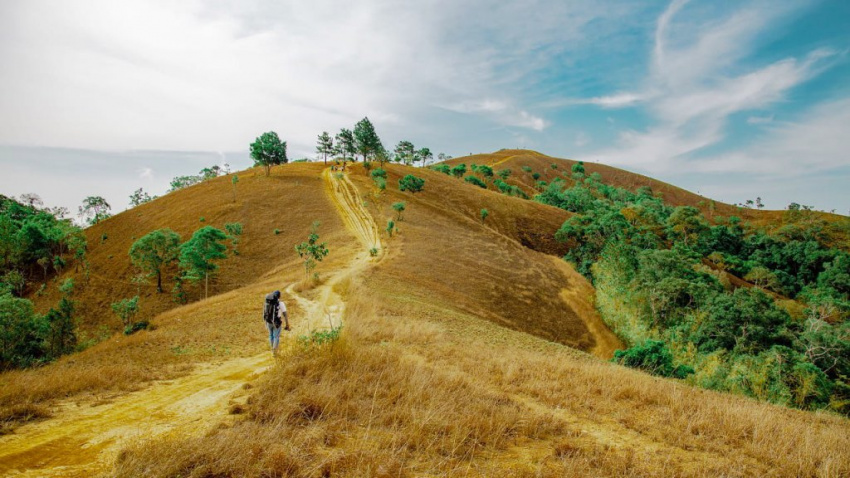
{"x":468,"y":349}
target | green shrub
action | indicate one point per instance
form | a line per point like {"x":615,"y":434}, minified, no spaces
{"x":536,"y":176}
{"x":378,"y":173}
{"x":381,"y":183}
{"x":276,"y":232}
{"x":459,"y":170}
{"x":504,"y":174}
{"x":390,"y":227}
{"x":474,"y":180}
{"x":484,"y":214}
{"x":399,"y":208}
{"x":136,"y":326}
{"x":443,"y":168}
{"x":653,"y":357}
{"x":411,"y":183}
{"x":320,"y":337}
{"x":373,"y":252}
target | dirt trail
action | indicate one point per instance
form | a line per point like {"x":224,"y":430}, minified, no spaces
{"x":83,"y":438}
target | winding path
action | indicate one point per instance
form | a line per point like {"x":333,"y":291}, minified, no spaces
{"x":83,"y":438}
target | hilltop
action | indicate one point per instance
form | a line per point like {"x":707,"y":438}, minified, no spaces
{"x":469,"y":347}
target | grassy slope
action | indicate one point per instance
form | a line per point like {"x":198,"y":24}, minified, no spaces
{"x":424,"y":383}
{"x":515,"y":159}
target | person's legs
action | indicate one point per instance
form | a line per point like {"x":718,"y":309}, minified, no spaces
{"x":271,"y":328}
{"x":275,"y":338}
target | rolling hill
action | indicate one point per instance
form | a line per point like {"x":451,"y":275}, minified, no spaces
{"x":469,"y":347}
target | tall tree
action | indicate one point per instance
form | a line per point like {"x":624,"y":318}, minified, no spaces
{"x":198,"y":253}
{"x":366,"y":139}
{"x":345,"y":145}
{"x":154,"y":251}
{"x":404,"y":152}
{"x":268,"y":150}
{"x":325,"y":145}
{"x":94,"y":209}
{"x":424,"y":155}
{"x":139,"y":196}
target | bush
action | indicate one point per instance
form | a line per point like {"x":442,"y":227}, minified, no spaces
{"x":442,"y":168}
{"x":484,"y":214}
{"x":411,"y":183}
{"x":474,"y":180}
{"x":135,"y":327}
{"x":276,"y":232}
{"x":653,"y":357}
{"x":320,"y":337}
{"x":459,"y":170}
{"x":378,"y":173}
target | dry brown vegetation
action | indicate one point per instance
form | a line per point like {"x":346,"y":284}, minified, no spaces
{"x":456,"y":358}
{"x":417,"y":390}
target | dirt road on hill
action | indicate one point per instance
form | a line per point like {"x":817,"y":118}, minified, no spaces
{"x":84,"y":437}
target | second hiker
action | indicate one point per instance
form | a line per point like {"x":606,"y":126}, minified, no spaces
{"x":273,"y":311}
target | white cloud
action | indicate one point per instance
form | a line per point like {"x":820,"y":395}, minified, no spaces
{"x":146,"y":173}
{"x":582,"y":139}
{"x":815,"y":143}
{"x":500,"y":111}
{"x":760,"y":119}
{"x":696,"y":82}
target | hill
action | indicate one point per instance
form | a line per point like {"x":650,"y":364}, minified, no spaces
{"x":462,"y":353}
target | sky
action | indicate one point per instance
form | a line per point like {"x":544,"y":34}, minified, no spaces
{"x":733,"y":100}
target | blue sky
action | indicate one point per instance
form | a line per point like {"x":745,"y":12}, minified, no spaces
{"x":733,"y":100}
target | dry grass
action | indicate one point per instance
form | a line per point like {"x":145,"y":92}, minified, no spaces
{"x":225,"y":325}
{"x":452,"y":360}
{"x":422,"y":395}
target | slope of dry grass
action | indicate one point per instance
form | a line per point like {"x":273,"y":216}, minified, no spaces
{"x":225,"y":325}
{"x":418,"y":389}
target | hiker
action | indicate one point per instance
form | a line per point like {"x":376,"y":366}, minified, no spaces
{"x":272,"y":313}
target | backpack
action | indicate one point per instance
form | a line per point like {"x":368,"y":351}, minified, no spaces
{"x":270,"y":311}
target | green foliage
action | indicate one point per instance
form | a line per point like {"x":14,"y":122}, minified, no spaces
{"x":442,"y":168}
{"x":578,"y":168}
{"x":234,"y":230}
{"x":136,"y":326}
{"x":378,"y":173}
{"x":485,"y":171}
{"x":320,"y":337}
{"x":459,"y":170}
{"x":366,"y":141}
{"x":535,"y":176}
{"x":474,"y":180}
{"x":126,"y":309}
{"x":345,"y":145}
{"x":654,"y":357}
{"x":276,"y":232}
{"x":181,"y":182}
{"x":94,"y":210}
{"x":399,"y":208}
{"x":373,"y":252}
{"x":198,"y":254}
{"x":390,"y":227}
{"x":411,"y":183}
{"x":527,"y":169}
{"x":268,"y":150}
{"x":139,"y":197}
{"x":649,"y":264}
{"x":312,"y":251}
{"x":504,"y":174}
{"x":325,"y":145}
{"x":155,"y":252}
{"x":484,"y":214}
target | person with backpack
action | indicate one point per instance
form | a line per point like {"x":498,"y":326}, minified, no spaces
{"x":273,"y":311}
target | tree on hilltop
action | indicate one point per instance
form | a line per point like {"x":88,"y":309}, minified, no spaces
{"x":325,"y":145}
{"x":94,"y":209}
{"x":424,"y":155}
{"x":155,"y":251}
{"x":404,"y":152}
{"x":345,"y":145}
{"x":366,"y":139}
{"x":268,"y":150}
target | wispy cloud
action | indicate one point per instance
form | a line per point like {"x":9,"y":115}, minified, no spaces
{"x":500,"y":111}
{"x":696,"y":83}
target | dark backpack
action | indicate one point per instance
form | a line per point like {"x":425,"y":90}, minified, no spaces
{"x":270,"y":310}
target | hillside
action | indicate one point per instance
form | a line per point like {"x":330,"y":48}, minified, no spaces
{"x":463,"y":353}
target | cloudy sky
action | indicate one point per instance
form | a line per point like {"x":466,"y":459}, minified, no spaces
{"x":733,"y":100}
